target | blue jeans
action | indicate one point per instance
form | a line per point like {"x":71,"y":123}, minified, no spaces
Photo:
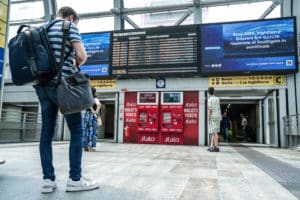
{"x":49,"y":108}
{"x":226,"y":133}
{"x":245,"y":133}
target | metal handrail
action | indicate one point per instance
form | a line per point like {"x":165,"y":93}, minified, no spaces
{"x":26,"y":124}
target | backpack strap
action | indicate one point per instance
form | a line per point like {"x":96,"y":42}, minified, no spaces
{"x":65,"y":29}
{"x":21,"y":28}
{"x":30,"y":49}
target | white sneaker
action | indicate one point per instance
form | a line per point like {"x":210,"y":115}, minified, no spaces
{"x":48,"y":186}
{"x":82,"y":185}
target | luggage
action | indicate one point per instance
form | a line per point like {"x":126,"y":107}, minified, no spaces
{"x":30,"y":55}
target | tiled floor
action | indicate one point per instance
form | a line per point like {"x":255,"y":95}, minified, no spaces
{"x":134,"y":171}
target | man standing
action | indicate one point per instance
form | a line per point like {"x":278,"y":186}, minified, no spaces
{"x":226,"y":125}
{"x":49,"y":107}
{"x":244,"y":127}
{"x":214,"y":117}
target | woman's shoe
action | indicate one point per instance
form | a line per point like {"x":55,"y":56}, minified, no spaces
{"x":85,"y":148}
{"x":92,"y":149}
{"x":214,"y":149}
{"x":210,"y":148}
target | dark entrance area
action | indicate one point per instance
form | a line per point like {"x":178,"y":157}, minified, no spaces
{"x":109,"y":121}
{"x":233,"y":111}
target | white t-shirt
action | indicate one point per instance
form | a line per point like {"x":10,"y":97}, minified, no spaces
{"x":244,"y":122}
{"x":213,"y":104}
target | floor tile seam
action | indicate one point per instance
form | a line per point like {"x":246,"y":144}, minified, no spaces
{"x":273,"y":175}
{"x":263,"y":167}
{"x":270,"y":164}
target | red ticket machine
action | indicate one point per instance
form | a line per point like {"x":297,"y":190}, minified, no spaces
{"x":147,"y":117}
{"x":171,"y":118}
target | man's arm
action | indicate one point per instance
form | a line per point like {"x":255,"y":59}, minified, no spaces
{"x":80,"y":53}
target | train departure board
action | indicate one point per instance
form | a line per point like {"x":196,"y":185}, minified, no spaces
{"x":162,"y":51}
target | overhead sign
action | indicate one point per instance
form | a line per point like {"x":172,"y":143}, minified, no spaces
{"x":104,"y":84}
{"x":237,"y":81}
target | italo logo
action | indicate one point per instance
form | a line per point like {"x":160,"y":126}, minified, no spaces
{"x":172,"y":139}
{"x":148,"y":139}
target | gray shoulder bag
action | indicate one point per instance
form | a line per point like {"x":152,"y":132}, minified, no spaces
{"x":73,"y":92}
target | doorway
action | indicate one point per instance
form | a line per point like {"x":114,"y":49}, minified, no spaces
{"x":107,"y":114}
{"x":260,"y":106}
{"x":234,"y":109}
{"x":109,"y":121}
{"x":109,"y":106}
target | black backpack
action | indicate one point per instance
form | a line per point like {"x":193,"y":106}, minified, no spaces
{"x":30,"y":55}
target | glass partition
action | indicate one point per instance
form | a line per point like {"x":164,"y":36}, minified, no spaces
{"x":21,"y":11}
{"x":96,"y":24}
{"x":86,"y":6}
{"x":148,"y":3}
{"x":238,"y":12}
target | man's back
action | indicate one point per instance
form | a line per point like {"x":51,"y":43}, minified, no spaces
{"x":214,"y":106}
{"x":225,"y":122}
{"x":55,"y":35}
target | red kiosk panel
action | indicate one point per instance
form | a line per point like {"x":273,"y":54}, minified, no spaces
{"x":147,"y":117}
{"x":171,"y":112}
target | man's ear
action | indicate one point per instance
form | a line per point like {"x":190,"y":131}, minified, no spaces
{"x":71,"y":18}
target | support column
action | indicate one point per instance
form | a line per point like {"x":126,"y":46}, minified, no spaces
{"x":50,"y":9}
{"x":203,"y":135}
{"x":282,"y":112}
{"x":289,"y":9}
{"x":118,"y":16}
{"x":197,"y":12}
{"x":121,"y":117}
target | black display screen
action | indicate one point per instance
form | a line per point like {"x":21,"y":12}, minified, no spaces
{"x":163,"y":51}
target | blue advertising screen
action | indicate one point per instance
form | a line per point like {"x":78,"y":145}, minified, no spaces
{"x":253,"y":47}
{"x":97,"y":46}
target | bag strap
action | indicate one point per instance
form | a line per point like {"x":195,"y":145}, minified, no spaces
{"x":51,"y":23}
{"x":66,"y":29}
{"x":21,"y":28}
{"x":30,"y":49}
{"x":33,"y":36}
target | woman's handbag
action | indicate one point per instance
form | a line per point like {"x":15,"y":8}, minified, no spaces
{"x":74,"y":93}
{"x":99,"y":121}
